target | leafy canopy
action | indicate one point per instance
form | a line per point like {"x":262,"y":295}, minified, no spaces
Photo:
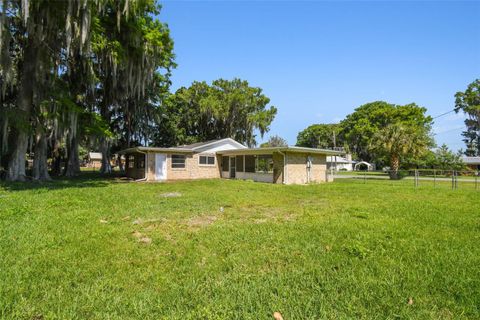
{"x":223,"y":109}
{"x":359,"y":128}
{"x":397,"y":141}
{"x":274,"y":141}
{"x":320,"y":136}
{"x":469,"y":103}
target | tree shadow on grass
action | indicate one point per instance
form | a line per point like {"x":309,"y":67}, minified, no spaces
{"x":83,"y":180}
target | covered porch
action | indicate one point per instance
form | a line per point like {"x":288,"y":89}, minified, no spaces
{"x":261,"y":166}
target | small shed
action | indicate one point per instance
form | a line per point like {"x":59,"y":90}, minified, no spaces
{"x":94,"y":160}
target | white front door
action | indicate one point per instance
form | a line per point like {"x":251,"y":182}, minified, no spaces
{"x":160,"y":166}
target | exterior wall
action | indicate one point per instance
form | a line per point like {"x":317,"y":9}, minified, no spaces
{"x":296,"y":169}
{"x":192,"y":170}
{"x":150,"y":166}
{"x":319,"y":168}
{"x":94,"y":164}
{"x":278,"y":164}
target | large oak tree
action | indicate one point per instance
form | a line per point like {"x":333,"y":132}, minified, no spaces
{"x":224,"y":109}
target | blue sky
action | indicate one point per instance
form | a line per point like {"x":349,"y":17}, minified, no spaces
{"x":318,"y":61}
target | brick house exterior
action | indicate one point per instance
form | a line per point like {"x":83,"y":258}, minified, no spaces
{"x":227,"y":158}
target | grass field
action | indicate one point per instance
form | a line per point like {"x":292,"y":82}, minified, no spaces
{"x":221,"y":249}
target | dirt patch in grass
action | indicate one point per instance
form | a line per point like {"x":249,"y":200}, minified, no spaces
{"x":141,"y":237}
{"x":200,"y":221}
{"x":171,"y":195}
{"x":140,"y":221}
{"x":261,"y":215}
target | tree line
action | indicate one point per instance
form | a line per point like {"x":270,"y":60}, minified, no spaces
{"x":398,"y":136}
{"x":95,"y":75}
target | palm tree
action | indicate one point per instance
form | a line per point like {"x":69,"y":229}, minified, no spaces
{"x":397,"y":141}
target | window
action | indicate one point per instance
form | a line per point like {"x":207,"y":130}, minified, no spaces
{"x":264,"y":164}
{"x":206,"y":160}
{"x":131,"y":161}
{"x":239,"y":161}
{"x":225,"y":163}
{"x":249,"y":164}
{"x":178,"y":161}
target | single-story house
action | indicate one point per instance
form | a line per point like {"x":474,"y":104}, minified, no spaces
{"x":472,"y":162}
{"x":339,"y":163}
{"x":227,"y":158}
{"x":94,"y":160}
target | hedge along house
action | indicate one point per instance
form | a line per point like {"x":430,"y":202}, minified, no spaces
{"x":227,"y":158}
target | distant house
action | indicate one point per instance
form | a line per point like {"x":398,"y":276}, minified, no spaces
{"x":94,"y":160}
{"x":472,"y":162}
{"x":339,"y":163}
{"x":229,"y":159}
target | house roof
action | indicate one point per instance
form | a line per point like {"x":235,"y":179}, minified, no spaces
{"x":199,"y":145}
{"x":95,"y":155}
{"x":471,"y":160}
{"x":271,"y":150}
{"x":190,"y":148}
{"x":155,"y":149}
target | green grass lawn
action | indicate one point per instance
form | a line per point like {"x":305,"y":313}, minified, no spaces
{"x":106,"y":249}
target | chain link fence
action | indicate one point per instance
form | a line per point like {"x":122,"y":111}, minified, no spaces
{"x":453,"y":179}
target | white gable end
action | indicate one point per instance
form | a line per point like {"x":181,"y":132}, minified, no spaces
{"x":222,"y":145}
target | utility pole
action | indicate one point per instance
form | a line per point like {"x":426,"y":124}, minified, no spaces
{"x":335,"y":148}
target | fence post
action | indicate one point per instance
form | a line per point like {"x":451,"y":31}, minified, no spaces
{"x":454,"y":179}
{"x":364,"y":176}
{"x":476,"y":181}
{"x":434,"y":178}
{"x":416,"y":178}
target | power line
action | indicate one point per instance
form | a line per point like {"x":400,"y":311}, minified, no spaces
{"x":454,"y":129}
{"x":443,"y":114}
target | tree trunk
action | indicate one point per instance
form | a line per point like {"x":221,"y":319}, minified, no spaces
{"x":72,"y":166}
{"x":394,"y":166}
{"x":105,"y":149}
{"x":16,"y":165}
{"x":40,"y":166}
{"x":57,"y":159}
{"x":120,"y":163}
